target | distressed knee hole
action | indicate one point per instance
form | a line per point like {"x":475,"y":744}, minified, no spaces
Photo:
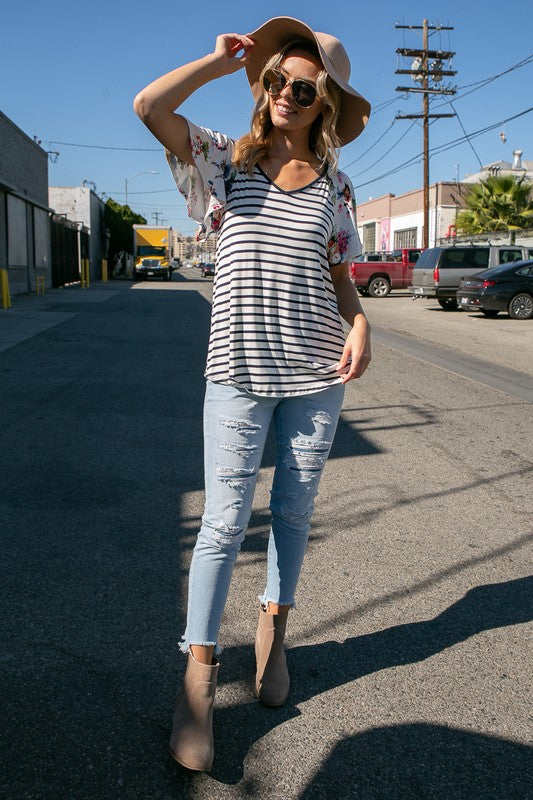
{"x":307,"y":457}
{"x":225,"y":534}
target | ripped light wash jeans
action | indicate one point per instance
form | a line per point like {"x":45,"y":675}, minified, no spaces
{"x":236,"y":424}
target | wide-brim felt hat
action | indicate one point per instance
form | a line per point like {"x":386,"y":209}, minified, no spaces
{"x":271,"y":37}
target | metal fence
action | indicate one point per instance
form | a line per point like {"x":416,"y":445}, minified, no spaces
{"x":70,"y":246}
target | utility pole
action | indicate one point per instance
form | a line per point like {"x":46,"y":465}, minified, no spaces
{"x":427,"y":66}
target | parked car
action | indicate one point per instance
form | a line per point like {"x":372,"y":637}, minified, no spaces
{"x":207,"y":269}
{"x":439,"y":270}
{"x":375,"y":274}
{"x":504,"y":288}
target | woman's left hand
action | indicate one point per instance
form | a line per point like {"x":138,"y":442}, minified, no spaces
{"x":357,"y":353}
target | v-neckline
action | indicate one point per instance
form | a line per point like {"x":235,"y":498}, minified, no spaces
{"x":290,"y":191}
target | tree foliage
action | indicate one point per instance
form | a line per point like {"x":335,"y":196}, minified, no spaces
{"x":498,"y":203}
{"x":119,"y":221}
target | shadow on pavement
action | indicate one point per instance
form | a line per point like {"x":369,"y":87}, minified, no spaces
{"x":318,"y":668}
{"x":430,"y":762}
{"x":101,"y":434}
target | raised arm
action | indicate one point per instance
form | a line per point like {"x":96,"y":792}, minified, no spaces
{"x":155,"y":104}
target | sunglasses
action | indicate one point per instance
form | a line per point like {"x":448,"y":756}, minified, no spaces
{"x":303,"y":92}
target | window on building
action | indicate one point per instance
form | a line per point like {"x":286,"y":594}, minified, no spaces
{"x":369,"y":237}
{"x":405,"y":238}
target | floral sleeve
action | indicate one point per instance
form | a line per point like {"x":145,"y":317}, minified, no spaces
{"x":344,"y":243}
{"x":205,"y":184}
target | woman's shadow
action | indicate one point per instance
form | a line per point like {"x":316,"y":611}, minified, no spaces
{"x":420,"y":760}
{"x":318,"y":668}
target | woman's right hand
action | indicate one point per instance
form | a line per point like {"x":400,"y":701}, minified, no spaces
{"x":228,"y":45}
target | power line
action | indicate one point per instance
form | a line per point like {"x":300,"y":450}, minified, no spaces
{"x":523,"y":63}
{"x":371,"y":146}
{"x":156,"y":191}
{"x":382,"y":106}
{"x":444,"y":147}
{"x":477,"y":84}
{"x":465,"y":133}
{"x":485,"y":82}
{"x":397,"y":142}
{"x":106,"y":147}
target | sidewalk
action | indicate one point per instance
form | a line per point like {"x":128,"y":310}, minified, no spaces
{"x":31,"y":314}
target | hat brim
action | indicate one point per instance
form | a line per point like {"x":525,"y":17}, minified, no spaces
{"x":271,"y":37}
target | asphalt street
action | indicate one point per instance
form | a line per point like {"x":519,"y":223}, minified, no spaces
{"x":410,"y":647}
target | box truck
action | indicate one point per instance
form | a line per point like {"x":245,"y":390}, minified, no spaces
{"x":152,"y":252}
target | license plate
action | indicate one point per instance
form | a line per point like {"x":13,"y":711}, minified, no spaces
{"x":418,"y":291}
{"x":464,"y":301}
{"x":150,"y":273}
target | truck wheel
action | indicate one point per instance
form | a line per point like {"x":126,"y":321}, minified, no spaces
{"x":447,"y":303}
{"x":521,"y":306}
{"x":378,"y":287}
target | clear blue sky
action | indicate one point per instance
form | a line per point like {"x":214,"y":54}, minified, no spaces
{"x":70,"y":72}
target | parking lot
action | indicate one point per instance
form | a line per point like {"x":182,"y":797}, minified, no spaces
{"x":501,"y":340}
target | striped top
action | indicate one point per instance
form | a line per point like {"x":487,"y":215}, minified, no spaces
{"x":275,"y":326}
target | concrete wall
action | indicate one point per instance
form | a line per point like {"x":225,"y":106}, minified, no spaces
{"x":24,"y":222}
{"x":81,"y":204}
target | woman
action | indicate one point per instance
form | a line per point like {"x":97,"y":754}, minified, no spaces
{"x":277,"y":351}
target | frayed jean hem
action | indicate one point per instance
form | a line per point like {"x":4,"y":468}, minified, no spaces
{"x":265,"y":600}
{"x":185,"y":647}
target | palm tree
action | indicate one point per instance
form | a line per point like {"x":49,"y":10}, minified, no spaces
{"x":498,"y":203}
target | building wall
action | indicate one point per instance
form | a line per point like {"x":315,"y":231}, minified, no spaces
{"x":406,"y":222}
{"x":24,"y":220}
{"x":80,"y":204}
{"x":391,"y":214}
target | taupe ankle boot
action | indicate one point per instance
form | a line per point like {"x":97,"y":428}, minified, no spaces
{"x":272,"y":678}
{"x":191,"y":740}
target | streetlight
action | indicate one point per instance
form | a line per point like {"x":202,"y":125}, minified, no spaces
{"x":126,"y":180}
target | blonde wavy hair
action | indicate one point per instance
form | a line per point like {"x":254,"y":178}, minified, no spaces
{"x":323,"y":139}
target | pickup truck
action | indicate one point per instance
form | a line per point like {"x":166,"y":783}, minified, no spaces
{"x":375,"y":274}
{"x":441,"y":269}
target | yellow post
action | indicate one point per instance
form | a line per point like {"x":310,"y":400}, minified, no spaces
{"x":4,"y":287}
{"x":104,"y":270}
{"x":39,"y":284}
{"x":85,"y":279}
